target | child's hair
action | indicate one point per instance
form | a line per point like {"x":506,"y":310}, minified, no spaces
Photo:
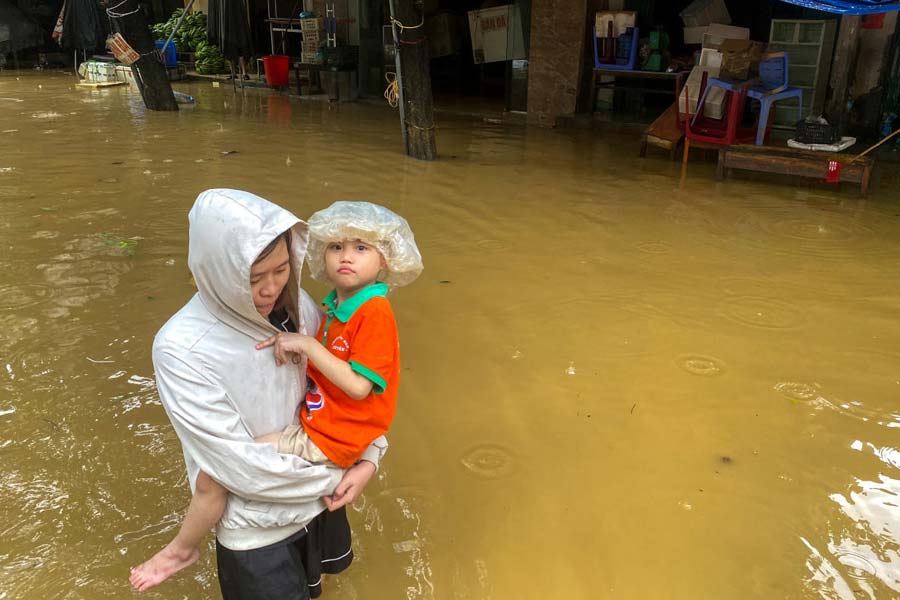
{"x":370,"y":223}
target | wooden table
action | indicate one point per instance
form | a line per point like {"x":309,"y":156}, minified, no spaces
{"x":677,"y":78}
{"x":790,"y":161}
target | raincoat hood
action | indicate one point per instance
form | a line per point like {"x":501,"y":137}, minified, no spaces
{"x":228,"y":230}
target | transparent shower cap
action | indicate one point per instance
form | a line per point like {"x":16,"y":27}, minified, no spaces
{"x":372,"y":224}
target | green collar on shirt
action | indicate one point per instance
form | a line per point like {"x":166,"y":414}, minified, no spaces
{"x":351,"y":304}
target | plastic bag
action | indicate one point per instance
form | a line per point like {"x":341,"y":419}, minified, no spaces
{"x":370,"y":223}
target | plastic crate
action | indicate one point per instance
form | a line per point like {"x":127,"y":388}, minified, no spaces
{"x":313,"y":24}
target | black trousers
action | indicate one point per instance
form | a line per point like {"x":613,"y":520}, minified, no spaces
{"x":290,"y":569}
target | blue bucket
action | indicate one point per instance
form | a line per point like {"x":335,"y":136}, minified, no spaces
{"x":170,"y":59}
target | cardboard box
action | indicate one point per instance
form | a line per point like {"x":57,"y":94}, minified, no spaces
{"x":711,"y":36}
{"x":694,"y":35}
{"x":124,"y":73}
{"x":705,"y":12}
{"x":717,"y":33}
{"x":714,"y":107}
{"x":496,"y":34}
{"x":709,"y":57}
{"x":99,"y":72}
{"x":740,"y":58}
{"x":621,"y":20}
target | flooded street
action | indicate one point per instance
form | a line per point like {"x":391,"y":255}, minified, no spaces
{"x":672,"y":390}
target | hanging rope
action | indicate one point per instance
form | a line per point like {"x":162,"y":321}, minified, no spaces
{"x":392,"y":91}
{"x":401,"y":26}
{"x":111,"y":11}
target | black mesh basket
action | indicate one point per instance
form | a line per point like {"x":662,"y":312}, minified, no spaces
{"x":811,"y":132}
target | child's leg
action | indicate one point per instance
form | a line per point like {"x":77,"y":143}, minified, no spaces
{"x":204,"y":512}
{"x":293,"y":440}
{"x":269,"y":438}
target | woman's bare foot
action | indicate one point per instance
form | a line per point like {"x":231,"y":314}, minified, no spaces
{"x":163,"y":565}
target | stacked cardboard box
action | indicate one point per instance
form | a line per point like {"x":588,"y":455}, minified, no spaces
{"x":98,"y":72}
{"x":714,"y":106}
{"x":699,"y":15}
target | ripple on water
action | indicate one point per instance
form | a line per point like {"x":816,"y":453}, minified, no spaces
{"x":491,"y":245}
{"x":858,"y":566}
{"x":705,"y":366}
{"x":759,"y":286}
{"x":654,"y":247}
{"x":489,"y":461}
{"x":889,"y":455}
{"x":813,"y":395}
{"x":15,"y":297}
{"x":800,"y":392}
{"x":762,"y":312}
{"x":823,"y":235}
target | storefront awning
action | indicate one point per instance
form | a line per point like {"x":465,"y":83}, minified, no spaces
{"x":848,"y":7}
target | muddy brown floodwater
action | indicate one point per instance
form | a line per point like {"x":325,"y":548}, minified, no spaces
{"x":615,"y":385}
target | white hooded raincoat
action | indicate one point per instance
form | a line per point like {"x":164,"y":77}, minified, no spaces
{"x":220,"y":392}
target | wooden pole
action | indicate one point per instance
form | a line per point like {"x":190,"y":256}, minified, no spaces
{"x":842,"y":70}
{"x":149,"y":71}
{"x":415,"y":84}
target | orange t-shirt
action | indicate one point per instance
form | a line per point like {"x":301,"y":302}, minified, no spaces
{"x":363,"y":332}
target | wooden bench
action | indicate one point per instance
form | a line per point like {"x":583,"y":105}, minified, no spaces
{"x":664,"y":133}
{"x":790,"y":161}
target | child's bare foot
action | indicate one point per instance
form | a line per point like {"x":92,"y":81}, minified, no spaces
{"x":163,"y":565}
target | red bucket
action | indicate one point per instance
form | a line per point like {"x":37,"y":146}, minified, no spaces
{"x":276,"y":68}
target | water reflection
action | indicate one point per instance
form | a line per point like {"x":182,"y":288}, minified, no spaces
{"x":861,"y":561}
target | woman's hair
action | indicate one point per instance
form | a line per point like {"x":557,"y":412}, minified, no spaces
{"x":288,"y":299}
{"x":285,"y":235}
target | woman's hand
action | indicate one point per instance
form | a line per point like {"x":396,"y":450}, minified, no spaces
{"x":351,"y":485}
{"x":286,"y":345}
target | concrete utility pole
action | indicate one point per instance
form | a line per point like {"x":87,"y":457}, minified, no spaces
{"x":149,"y":71}
{"x":414,"y":76}
{"x":843,"y":68}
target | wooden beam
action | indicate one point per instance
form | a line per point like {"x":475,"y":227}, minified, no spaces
{"x":843,"y":68}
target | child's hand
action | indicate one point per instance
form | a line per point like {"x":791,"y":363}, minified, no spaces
{"x":286,"y":344}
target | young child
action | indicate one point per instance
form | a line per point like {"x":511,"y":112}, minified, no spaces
{"x":363,"y":250}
